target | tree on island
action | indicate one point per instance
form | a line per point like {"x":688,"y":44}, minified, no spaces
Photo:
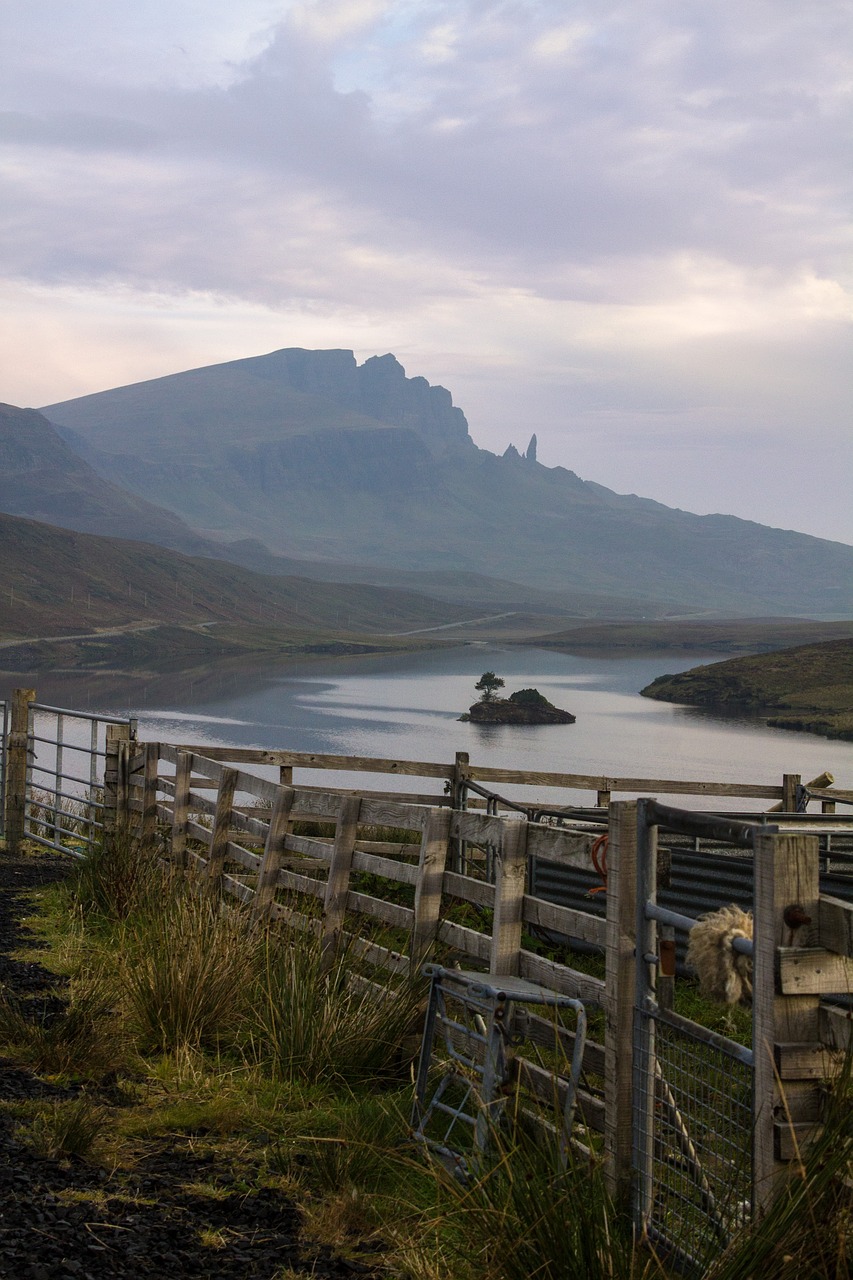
{"x":488,"y":685}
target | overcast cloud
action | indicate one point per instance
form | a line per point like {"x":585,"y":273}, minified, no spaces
{"x":625,"y":226}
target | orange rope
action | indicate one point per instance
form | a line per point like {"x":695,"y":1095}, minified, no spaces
{"x":599,"y":861}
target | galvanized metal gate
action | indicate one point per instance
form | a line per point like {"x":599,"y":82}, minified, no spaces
{"x":693,"y":1088}
{"x":66,"y":754}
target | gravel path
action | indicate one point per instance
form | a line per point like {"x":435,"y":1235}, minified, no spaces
{"x":74,"y":1220}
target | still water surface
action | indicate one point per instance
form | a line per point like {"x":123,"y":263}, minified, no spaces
{"x":407,"y":707}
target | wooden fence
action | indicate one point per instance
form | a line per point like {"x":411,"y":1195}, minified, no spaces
{"x":375,"y":871}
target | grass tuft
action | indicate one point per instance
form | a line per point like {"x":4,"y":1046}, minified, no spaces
{"x":186,"y":974}
{"x":65,"y":1129}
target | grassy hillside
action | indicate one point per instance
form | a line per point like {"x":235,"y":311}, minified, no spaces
{"x":54,"y":582}
{"x":704,"y":635}
{"x":809,"y":687}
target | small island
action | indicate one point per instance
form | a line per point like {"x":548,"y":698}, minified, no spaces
{"x":527,"y":706}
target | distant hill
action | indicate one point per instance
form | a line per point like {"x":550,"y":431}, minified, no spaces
{"x":42,"y":478}
{"x":809,"y":687}
{"x":744,"y":635}
{"x":320,"y":458}
{"x":55,"y":582}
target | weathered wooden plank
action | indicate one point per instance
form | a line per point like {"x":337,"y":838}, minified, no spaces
{"x":390,"y":813}
{"x":309,"y":846}
{"x":836,"y":1026}
{"x":432,"y":859}
{"x":391,"y":912}
{"x":814,"y":971}
{"x":553,"y":1090}
{"x":814,"y":1061}
{"x":791,"y":1141}
{"x":381,"y":957}
{"x":181,"y":809}
{"x":597,"y":782}
{"x":510,"y":881}
{"x":149,"y":791}
{"x":337,"y":885}
{"x":545,"y":1032}
{"x":221,"y":827}
{"x":568,"y":982}
{"x":401,"y":872}
{"x":463,"y":939}
{"x":313,"y":760}
{"x":564,"y":920}
{"x":236,"y":853}
{"x":293,"y":882}
{"x":274,"y":849}
{"x":296,"y":920}
{"x":469,"y":890}
{"x":197,"y":832}
{"x":237,"y":889}
{"x":479,"y":828}
{"x":390,"y":849}
{"x":786,"y":873}
{"x":835,"y":924}
{"x":556,"y":844}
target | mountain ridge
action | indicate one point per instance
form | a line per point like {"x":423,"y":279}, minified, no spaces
{"x":280,"y":448}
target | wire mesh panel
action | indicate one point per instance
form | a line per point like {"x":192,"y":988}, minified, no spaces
{"x":694,"y":1138}
{"x":65,"y":777}
{"x":692,"y":1087}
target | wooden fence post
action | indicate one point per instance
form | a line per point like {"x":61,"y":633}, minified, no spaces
{"x":115,"y":778}
{"x":274,"y":849}
{"x":510,"y":885}
{"x":785,"y":915}
{"x":181,"y":809}
{"x":16,"y":768}
{"x":148,"y":824}
{"x":458,"y":800}
{"x":790,"y":783}
{"x":221,"y":830}
{"x":435,"y":845}
{"x":620,"y":962}
{"x":337,"y":886}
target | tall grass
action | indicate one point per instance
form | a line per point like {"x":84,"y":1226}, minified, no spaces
{"x":121,"y":877}
{"x":807,"y":1234}
{"x":527,"y":1215}
{"x":315,"y":1019}
{"x":82,"y":1038}
{"x":187,"y":972}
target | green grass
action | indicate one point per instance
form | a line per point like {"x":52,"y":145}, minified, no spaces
{"x":298,"y":1075}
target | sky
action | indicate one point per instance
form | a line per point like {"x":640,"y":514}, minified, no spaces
{"x":625,"y":227}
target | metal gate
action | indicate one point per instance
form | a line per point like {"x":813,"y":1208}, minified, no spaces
{"x":66,"y":754}
{"x":693,"y":1088}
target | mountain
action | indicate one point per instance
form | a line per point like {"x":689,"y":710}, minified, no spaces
{"x":54,"y":582}
{"x":42,"y":478}
{"x":321,"y":458}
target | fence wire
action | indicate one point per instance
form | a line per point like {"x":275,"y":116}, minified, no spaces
{"x":694,"y":1117}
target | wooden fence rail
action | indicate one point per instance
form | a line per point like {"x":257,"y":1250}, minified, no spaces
{"x":375,"y":873}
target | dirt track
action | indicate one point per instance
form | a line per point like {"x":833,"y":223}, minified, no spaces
{"x":74,"y":1220}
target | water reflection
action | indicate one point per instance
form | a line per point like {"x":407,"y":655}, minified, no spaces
{"x":407,"y":707}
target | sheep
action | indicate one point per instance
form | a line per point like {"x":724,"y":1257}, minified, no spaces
{"x":724,"y":974}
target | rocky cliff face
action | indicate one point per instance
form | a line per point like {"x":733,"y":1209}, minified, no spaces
{"x":321,"y":458}
{"x":43,"y":479}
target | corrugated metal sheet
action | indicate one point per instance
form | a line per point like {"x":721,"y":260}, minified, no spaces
{"x":698,"y":882}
